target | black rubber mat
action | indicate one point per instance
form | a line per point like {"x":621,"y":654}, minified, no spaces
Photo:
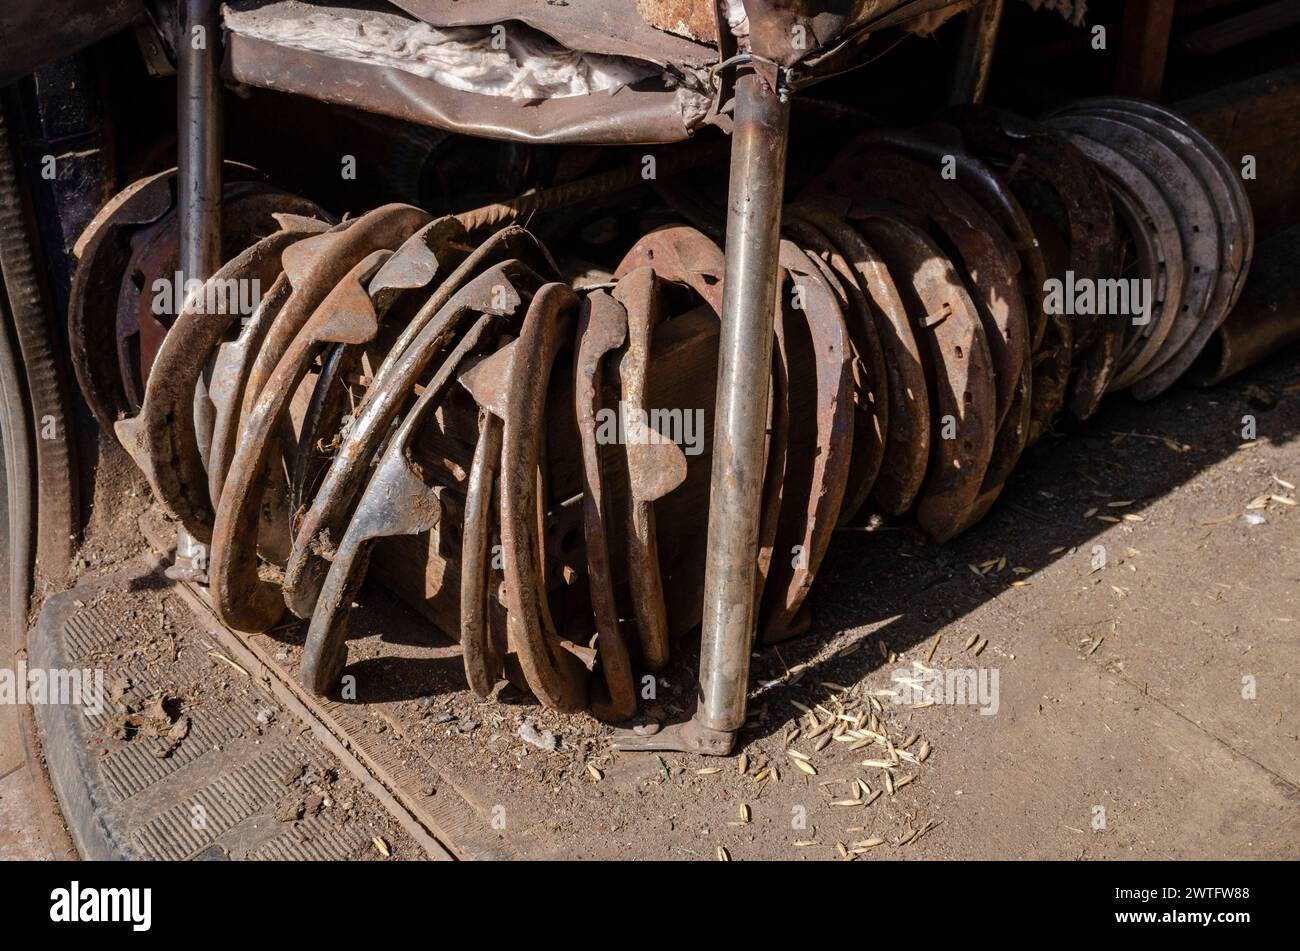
{"x":189,"y":757}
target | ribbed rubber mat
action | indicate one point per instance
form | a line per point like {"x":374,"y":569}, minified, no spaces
{"x":244,"y":778}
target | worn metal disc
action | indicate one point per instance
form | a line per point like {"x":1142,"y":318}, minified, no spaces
{"x":963,"y":399}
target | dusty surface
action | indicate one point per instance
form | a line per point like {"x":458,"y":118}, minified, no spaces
{"x":316,"y":797}
{"x":1147,"y":706}
{"x":20,"y":829}
{"x":153,"y":631}
{"x":1122,"y":724}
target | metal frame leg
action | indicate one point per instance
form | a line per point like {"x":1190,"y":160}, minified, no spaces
{"x":975,"y":60}
{"x":758,"y":152}
{"x":199,"y":151}
{"x":1144,"y":48}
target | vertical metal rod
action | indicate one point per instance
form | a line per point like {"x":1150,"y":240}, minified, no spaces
{"x":199,"y":155}
{"x":758,"y":151}
{"x":975,"y":59}
{"x":1144,"y":48}
{"x":199,"y":132}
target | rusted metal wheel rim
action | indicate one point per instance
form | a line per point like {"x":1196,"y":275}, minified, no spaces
{"x":1196,"y":220}
{"x":483,"y":662}
{"x":960,"y":370}
{"x":555,"y":675}
{"x":818,"y":457}
{"x":907,"y":438}
{"x":162,"y":437}
{"x":439,"y":319}
{"x":867,"y":363}
{"x":683,"y":254}
{"x":1226,"y":197}
{"x":1142,"y":195}
{"x":1218,"y":174}
{"x":242,"y":599}
{"x":230,"y":368}
{"x":430,"y":252}
{"x":985,"y":256}
{"x":602,"y":330}
{"x":398,"y":500}
{"x":655,"y":466}
{"x":1050,"y":176}
{"x":103,"y":251}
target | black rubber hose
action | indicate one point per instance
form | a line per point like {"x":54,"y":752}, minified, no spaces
{"x":19,"y":488}
{"x":50,"y":421}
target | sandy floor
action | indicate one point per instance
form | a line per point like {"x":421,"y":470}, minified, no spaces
{"x":1144,"y":702}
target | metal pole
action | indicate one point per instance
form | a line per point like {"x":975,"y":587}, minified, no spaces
{"x":975,"y":60}
{"x":199,"y":150}
{"x":758,"y":151}
{"x":199,"y":139}
{"x":1144,"y":48}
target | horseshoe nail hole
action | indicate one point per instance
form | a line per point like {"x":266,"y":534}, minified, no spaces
{"x":137,"y":278}
{"x":959,"y":353}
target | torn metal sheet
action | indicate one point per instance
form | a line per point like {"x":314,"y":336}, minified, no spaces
{"x":791,"y":31}
{"x":609,"y":27}
{"x":660,"y":108}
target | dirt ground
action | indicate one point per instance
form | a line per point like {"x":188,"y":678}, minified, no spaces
{"x":1138,"y":702}
{"x":317,"y":798}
